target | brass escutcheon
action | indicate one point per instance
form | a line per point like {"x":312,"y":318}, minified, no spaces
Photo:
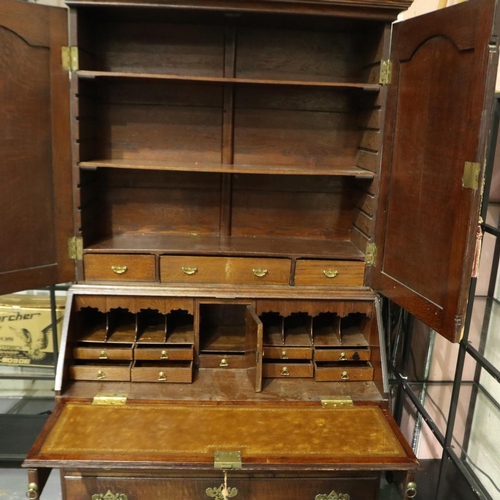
{"x":101,"y":375}
{"x":285,"y":372}
{"x":162,"y":377}
{"x":330,"y":273}
{"x":342,"y":356}
{"x":223,"y":362}
{"x":344,"y":376}
{"x":32,"y":492}
{"x":189,"y":270}
{"x":260,"y":273}
{"x":119,"y":269}
{"x":103,"y":355}
{"x":163,"y":355}
{"x":411,"y":490}
{"x":333,"y":496}
{"x":283,"y":355}
{"x":109,"y":496}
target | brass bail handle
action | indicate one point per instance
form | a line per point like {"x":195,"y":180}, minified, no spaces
{"x":285,"y":372}
{"x":32,"y":492}
{"x":260,"y":273}
{"x":119,"y":269}
{"x":189,"y":270}
{"x":330,"y":273}
{"x":223,"y":492}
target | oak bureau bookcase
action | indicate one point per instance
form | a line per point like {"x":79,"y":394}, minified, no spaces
{"x":231,"y":184}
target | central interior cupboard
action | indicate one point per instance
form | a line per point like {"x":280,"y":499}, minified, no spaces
{"x":230,"y":185}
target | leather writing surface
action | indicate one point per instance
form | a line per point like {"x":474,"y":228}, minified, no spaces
{"x":173,"y":433}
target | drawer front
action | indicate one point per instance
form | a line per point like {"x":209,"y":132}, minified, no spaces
{"x":287,"y":353}
{"x":163,"y":353}
{"x":223,"y":361}
{"x":173,"y":372}
{"x":357,"y":488}
{"x":103,"y":353}
{"x":234,"y":271}
{"x":329,"y":273}
{"x":338,"y":372}
{"x":119,"y":267}
{"x":287,"y":370}
{"x":342,"y":355}
{"x":104,"y":372}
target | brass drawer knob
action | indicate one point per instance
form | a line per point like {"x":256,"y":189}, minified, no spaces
{"x":103,"y":355}
{"x":344,"y":376}
{"x":223,"y":362}
{"x":189,"y":270}
{"x":119,"y":269}
{"x":285,"y":372}
{"x":330,"y":273}
{"x":109,"y":496}
{"x":411,"y":490}
{"x":283,"y":355}
{"x":333,"y":496}
{"x":163,"y":355}
{"x":32,"y":492}
{"x":342,"y":356}
{"x":162,"y":377}
{"x":101,"y":375}
{"x":260,"y":273}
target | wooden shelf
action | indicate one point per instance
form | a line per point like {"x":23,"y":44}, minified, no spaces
{"x":333,"y":170}
{"x":230,"y":245}
{"x":372,"y":87}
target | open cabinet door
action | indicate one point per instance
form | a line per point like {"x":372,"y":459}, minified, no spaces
{"x":35,"y":185}
{"x":437,"y":123}
{"x":254,"y":347}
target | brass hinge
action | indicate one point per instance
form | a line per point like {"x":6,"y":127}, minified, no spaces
{"x":371,"y":254}
{"x":470,"y":178}
{"x":338,"y":402}
{"x":385,"y":72}
{"x":75,"y":248}
{"x":224,"y":459}
{"x":109,"y":400}
{"x":69,"y":57}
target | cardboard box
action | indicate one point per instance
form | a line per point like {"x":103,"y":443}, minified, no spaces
{"x":26,"y":329}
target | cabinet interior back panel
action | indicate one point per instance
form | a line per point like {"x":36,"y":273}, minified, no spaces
{"x":152,"y":120}
{"x":289,"y":126}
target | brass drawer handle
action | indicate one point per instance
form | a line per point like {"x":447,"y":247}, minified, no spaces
{"x":330,"y":273}
{"x":103,"y":355}
{"x":101,"y":375}
{"x":162,"y":377}
{"x":333,"y":496}
{"x":189,"y":270}
{"x":163,"y":355}
{"x":223,"y":492}
{"x":283,"y":355}
{"x":109,"y":496}
{"x":411,"y":490}
{"x":119,"y":269}
{"x":285,"y":372}
{"x":32,"y":492}
{"x":342,"y":356}
{"x":260,"y":273}
{"x":344,"y":376}
{"x":223,"y":362}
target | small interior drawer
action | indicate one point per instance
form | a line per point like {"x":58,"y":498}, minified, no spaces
{"x":236,"y":271}
{"x":287,"y":353}
{"x":105,"y":372}
{"x":297,"y":369}
{"x":163,"y":371}
{"x":103,"y":352}
{"x":343,"y":371}
{"x":163,"y":353}
{"x":339,"y":354}
{"x":226,"y":361}
{"x":119,"y":267}
{"x":329,"y":273}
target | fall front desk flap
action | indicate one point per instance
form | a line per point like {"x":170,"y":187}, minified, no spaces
{"x":161,"y":435}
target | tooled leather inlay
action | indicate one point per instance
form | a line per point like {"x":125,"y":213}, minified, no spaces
{"x":264,"y":432}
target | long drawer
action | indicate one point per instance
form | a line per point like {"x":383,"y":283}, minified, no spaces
{"x":225,"y":270}
{"x":84,"y":488}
